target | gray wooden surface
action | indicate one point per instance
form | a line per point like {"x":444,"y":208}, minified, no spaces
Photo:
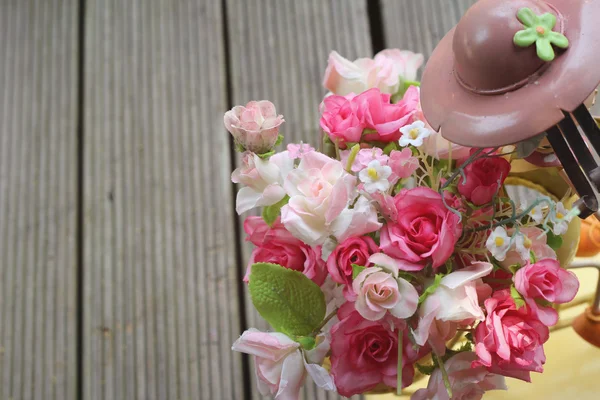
{"x":162,"y":250}
{"x":38,"y":192}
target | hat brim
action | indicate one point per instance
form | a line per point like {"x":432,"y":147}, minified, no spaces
{"x":477,"y":120}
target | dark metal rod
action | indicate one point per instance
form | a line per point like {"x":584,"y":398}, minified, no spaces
{"x":588,"y":125}
{"x":578,"y":146}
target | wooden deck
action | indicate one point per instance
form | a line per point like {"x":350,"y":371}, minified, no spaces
{"x":120,"y":252}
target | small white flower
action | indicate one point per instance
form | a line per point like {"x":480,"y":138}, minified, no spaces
{"x":498,"y":243}
{"x":375,"y":177}
{"x":414,"y":134}
{"x":523,"y":245}
{"x":561,"y":219}
{"x":537,"y":214}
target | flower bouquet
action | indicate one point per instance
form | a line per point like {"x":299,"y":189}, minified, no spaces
{"x":391,"y":252}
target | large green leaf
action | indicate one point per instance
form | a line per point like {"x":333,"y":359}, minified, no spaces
{"x":286,"y":299}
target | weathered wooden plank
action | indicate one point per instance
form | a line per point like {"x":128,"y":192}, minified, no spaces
{"x":279,"y":52}
{"x":38,"y":199}
{"x":420,"y":25}
{"x":161,"y":297}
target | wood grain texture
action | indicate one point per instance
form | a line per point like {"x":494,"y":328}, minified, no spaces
{"x":161,"y":309}
{"x":419,"y":25}
{"x":38,"y":199}
{"x":279,"y":52}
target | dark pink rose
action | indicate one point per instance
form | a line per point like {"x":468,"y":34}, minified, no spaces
{"x":425,"y":230}
{"x":483,"y":179}
{"x":546,"y":282}
{"x":356,"y":250}
{"x":277,"y":245}
{"x":364,"y":353}
{"x":377,"y":113}
{"x":509,"y":341}
{"x":340,"y":121}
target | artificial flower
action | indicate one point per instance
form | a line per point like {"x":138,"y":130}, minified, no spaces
{"x":375,"y":177}
{"x":340,"y":120}
{"x":403,"y":164}
{"x":263,"y":180}
{"x":561,"y":219}
{"x":498,"y":243}
{"x":546,"y":282}
{"x":414,"y":134}
{"x":254,"y":127}
{"x":364,"y":157}
{"x":297,"y":150}
{"x":530,"y":240}
{"x":482,"y":179}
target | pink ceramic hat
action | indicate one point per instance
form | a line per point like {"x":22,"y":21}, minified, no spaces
{"x":512,"y":70}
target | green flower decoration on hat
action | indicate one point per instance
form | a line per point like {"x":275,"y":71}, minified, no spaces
{"x":539,"y":30}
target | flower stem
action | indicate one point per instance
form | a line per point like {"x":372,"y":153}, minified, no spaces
{"x":399,"y":373}
{"x":352,"y":157}
{"x":325,"y":321}
{"x":437,"y":359}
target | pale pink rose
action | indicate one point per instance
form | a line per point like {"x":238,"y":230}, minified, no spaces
{"x":407,"y":63}
{"x":438,"y":147}
{"x":536,"y":242}
{"x":386,"y":205}
{"x":357,"y":221}
{"x":546,"y":281}
{"x":456,"y":300}
{"x":510,"y":340}
{"x":376,"y":112}
{"x":255,"y":127}
{"x":278,"y":363}
{"x":319,"y":191}
{"x":281,"y":365}
{"x":403,"y":164}
{"x":339,"y":120}
{"x":263,"y":180}
{"x":356,"y":250}
{"x":297,"y":150}
{"x":386,"y":72}
{"x":467,"y":383}
{"x":278,"y":246}
{"x":364,"y":157}
{"x":380,"y":291}
{"x":364,"y":353}
{"x":425,"y":230}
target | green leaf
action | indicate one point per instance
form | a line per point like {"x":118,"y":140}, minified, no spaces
{"x":554,"y":241}
{"x":514,"y":268}
{"x":270,"y":213}
{"x":425,"y":369}
{"x":519,"y":301}
{"x":391,"y":146}
{"x":467,"y":346}
{"x":286,"y":299}
{"x":431,"y":288}
{"x":357,"y":269}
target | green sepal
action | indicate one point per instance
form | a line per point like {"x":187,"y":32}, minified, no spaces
{"x":532,"y":257}
{"x":425,"y":369}
{"x":289,"y":301}
{"x":307,"y":342}
{"x":270,"y":213}
{"x":357,"y":269}
{"x":267,"y":155}
{"x":437,"y":281}
{"x":554,"y":241}
{"x":278,"y":141}
{"x":519,"y":300}
{"x":391,"y":146}
{"x":514,"y":268}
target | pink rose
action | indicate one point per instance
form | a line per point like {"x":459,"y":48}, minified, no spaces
{"x":467,"y":383}
{"x":386,"y":72}
{"x":509,"y":341}
{"x":320,"y":190}
{"x":531,"y":239}
{"x":263,"y":180}
{"x":376,"y":112}
{"x":278,"y":362}
{"x":483,"y":179}
{"x":425,"y":230}
{"x":380,"y":291}
{"x":356,"y":250}
{"x":254,"y":127}
{"x":278,"y":246}
{"x":340,"y":121}
{"x":546,"y":281}
{"x":456,"y":300}
{"x":364,"y":353}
